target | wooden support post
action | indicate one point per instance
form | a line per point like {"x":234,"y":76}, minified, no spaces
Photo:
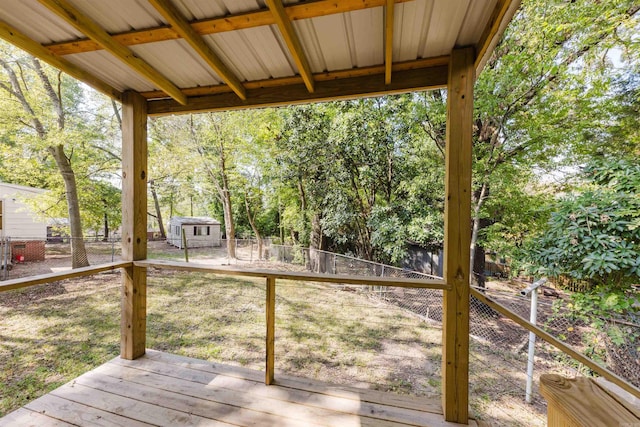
{"x":133,"y":322}
{"x":457,"y":237}
{"x":271,"y":320}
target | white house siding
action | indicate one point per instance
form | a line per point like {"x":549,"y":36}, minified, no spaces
{"x":18,"y":220}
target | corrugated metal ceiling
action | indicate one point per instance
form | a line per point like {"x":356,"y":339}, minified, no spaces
{"x":331,"y":42}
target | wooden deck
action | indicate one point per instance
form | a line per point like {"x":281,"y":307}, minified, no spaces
{"x":161,"y":389}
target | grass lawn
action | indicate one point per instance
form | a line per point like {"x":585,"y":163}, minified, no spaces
{"x":51,"y":334}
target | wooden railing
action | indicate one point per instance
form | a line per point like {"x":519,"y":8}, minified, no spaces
{"x":272,"y":275}
{"x":25,"y":282}
{"x":582,"y":402}
{"x":565,"y":348}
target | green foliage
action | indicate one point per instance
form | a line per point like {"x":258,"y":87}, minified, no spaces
{"x":368,"y":169}
{"x":593,"y":234}
{"x":550,"y":97}
{"x":32,"y":124}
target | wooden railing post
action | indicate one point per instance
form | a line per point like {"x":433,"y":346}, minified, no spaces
{"x":133,"y":322}
{"x":271,"y":320}
{"x":457,"y":237}
{"x":582,"y":402}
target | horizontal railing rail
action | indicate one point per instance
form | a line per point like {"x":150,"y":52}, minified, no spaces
{"x":41,"y":279}
{"x":296,"y":276}
{"x":567,"y":349}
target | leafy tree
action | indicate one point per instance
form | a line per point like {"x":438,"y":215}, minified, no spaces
{"x":594,"y":233}
{"x":46,"y":124}
{"x":534,"y":102}
{"x":303,"y":159}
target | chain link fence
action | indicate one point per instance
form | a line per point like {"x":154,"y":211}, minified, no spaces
{"x":498,"y":358}
{"x":28,"y":256}
{"x":611,"y":341}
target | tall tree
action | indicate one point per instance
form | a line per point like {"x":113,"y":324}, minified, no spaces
{"x":535,"y":96}
{"x":41,"y":94}
{"x":215,"y":136}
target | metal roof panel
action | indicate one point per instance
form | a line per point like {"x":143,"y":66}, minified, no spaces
{"x":478,"y":14}
{"x":367,"y":34}
{"x":110,"y":69}
{"x":36,"y":21}
{"x":186,"y":68}
{"x":446,"y":20}
{"x":411,"y":24}
{"x":117,"y":16}
{"x":329,"y":36}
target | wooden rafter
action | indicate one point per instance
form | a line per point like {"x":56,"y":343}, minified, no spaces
{"x":182,"y":27}
{"x":388,"y":41}
{"x":318,"y":77}
{"x":346,"y":88}
{"x":293,"y":42}
{"x":502,"y":14}
{"x":259,"y":18}
{"x":89,"y":27}
{"x":15,"y":37}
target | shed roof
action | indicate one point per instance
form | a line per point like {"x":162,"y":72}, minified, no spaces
{"x":7,"y":188}
{"x":193,"y":220}
{"x":189,"y":55}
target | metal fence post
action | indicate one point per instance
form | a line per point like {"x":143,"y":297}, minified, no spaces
{"x":533,"y":317}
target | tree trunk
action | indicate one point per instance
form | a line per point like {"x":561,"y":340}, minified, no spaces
{"x":475,"y":231}
{"x":479,"y":277}
{"x":78,"y":251}
{"x":317,"y":243}
{"x":156,"y":203}
{"x":226,"y":206}
{"x":106,"y":222}
{"x":252,"y":223}
{"x":228,"y":225}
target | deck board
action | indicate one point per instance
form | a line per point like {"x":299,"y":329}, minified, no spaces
{"x":161,"y":389}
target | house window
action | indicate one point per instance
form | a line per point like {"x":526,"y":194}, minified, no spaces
{"x":200,"y":231}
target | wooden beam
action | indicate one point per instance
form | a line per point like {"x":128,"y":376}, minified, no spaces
{"x":134,"y":225}
{"x":304,"y":10}
{"x":319,"y":77}
{"x":88,"y":26}
{"x":293,"y":42}
{"x":295,"y":276}
{"x":388,"y":41}
{"x":349,"y":88}
{"x":17,"y":38}
{"x":500,"y":18}
{"x":457,"y":237}
{"x":25,"y":282}
{"x":182,"y":27}
{"x":270,"y":336}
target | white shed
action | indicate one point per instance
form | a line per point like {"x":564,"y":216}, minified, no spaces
{"x":200,"y":232}
{"x":17,"y":219}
